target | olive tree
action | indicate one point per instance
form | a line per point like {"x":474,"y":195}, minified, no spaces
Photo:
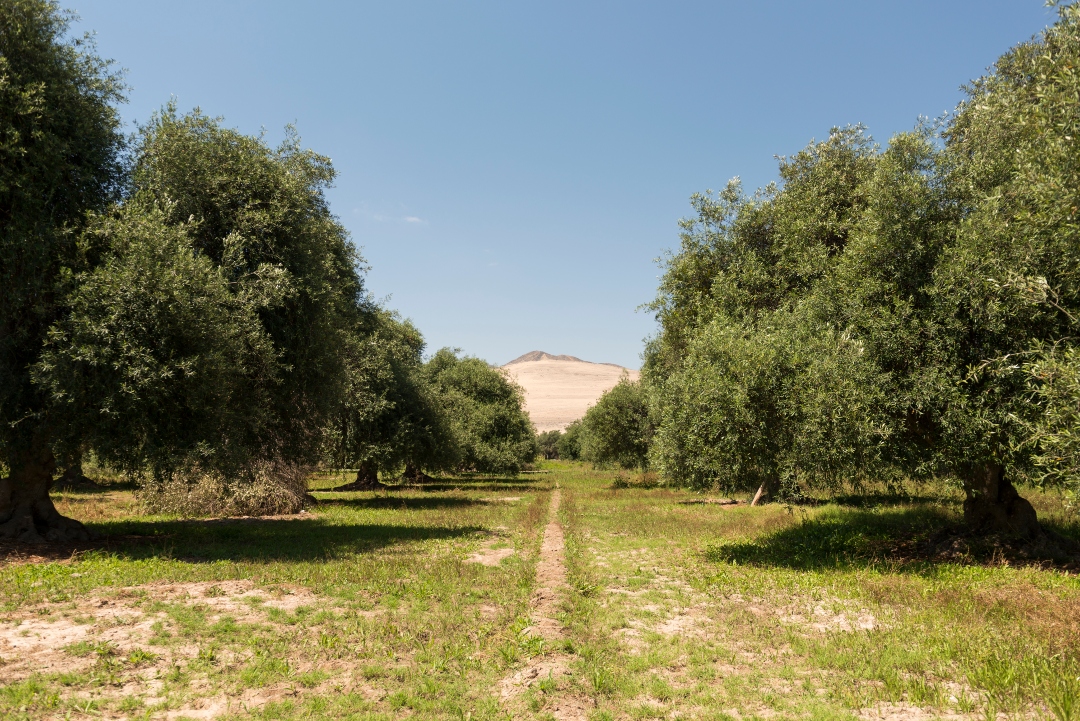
{"x":746,"y":381}
{"x":60,"y":157}
{"x":389,"y":416}
{"x":911,"y":311}
{"x":616,"y":429}
{"x":209,"y":335}
{"x":569,"y":443}
{"x":548,"y":442}
{"x":485,"y":409}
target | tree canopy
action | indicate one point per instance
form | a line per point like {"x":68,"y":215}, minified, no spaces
{"x":60,"y":157}
{"x":210,"y":331}
{"x":390,"y":416}
{"x":493,"y":433}
{"x":616,"y":430}
{"x":893,"y":313}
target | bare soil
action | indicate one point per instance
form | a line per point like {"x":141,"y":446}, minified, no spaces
{"x":554,"y":666}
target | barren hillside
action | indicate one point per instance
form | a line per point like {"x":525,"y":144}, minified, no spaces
{"x":559,"y":389}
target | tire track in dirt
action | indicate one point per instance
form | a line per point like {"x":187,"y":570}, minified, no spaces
{"x":550,"y":577}
{"x":550,"y":586}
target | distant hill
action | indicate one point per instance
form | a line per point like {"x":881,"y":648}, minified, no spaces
{"x":538,"y":355}
{"x":560,"y":388}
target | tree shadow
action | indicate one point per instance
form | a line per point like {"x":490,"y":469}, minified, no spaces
{"x":886,"y":500}
{"x":259,"y":539}
{"x":518,"y":485}
{"x":403,"y":502}
{"x":909,"y":538}
{"x":94,"y":488}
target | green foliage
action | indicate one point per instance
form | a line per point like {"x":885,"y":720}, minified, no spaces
{"x":389,"y":415}
{"x":616,"y":430}
{"x":872,"y":313}
{"x":748,"y":384}
{"x":210,"y":332}
{"x":492,"y":432}
{"x":549,"y":444}
{"x":60,"y":146}
{"x":1055,"y":430}
{"x":170,"y":357}
{"x":569,"y":443}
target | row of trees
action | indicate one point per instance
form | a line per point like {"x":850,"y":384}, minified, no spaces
{"x":886,"y":314}
{"x":184,"y":302}
{"x":447,"y":414}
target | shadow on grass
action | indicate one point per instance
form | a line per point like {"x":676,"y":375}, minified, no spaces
{"x":888,"y":500}
{"x":94,"y":488}
{"x":912,"y":538}
{"x":260,"y":540}
{"x":518,"y":485}
{"x":392,"y":502}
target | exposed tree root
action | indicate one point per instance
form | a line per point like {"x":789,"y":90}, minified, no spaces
{"x":40,"y":522}
{"x":993,"y":506}
{"x":27,"y":514}
{"x":74,"y":479}
{"x":367,"y":479}
{"x":413,"y":474}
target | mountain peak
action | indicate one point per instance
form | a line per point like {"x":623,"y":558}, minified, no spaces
{"x":538,"y":355}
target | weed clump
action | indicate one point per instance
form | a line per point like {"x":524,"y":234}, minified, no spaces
{"x":262,"y":488}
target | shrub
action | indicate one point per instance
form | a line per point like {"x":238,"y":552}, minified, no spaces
{"x":262,"y":488}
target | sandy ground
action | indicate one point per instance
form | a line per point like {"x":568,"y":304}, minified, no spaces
{"x":558,"y":390}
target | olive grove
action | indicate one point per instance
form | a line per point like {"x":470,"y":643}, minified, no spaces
{"x":889,"y":313}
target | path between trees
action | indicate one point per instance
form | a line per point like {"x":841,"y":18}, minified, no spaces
{"x":550,"y":577}
{"x":550,"y":587}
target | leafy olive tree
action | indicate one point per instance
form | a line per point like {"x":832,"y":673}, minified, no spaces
{"x":492,"y":432}
{"x":1008,"y":288}
{"x":897,"y":313}
{"x":60,"y":157}
{"x":746,"y":381}
{"x":616,"y":429}
{"x":209,"y":335}
{"x":548,"y":442}
{"x":389,"y":416}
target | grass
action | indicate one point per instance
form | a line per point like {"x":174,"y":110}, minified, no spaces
{"x":366,"y":608}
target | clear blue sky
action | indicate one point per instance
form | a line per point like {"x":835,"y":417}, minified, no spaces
{"x":512,"y":169}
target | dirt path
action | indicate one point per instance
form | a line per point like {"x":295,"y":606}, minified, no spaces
{"x":553,"y":664}
{"x":550,"y":577}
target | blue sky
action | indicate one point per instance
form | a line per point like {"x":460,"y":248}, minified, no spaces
{"x":511,"y":170}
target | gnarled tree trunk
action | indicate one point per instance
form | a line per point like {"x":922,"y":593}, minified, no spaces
{"x":26,"y":511}
{"x":73,"y":477}
{"x":414,"y":475}
{"x":993,"y":505}
{"x":367,"y":479}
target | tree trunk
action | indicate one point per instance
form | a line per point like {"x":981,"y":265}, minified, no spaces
{"x":993,"y":505}
{"x":26,"y":512}
{"x":367,"y":479}
{"x":415,"y":475}
{"x":768,"y":488}
{"x":73,"y":477}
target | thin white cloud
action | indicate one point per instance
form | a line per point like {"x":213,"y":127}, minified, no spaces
{"x":366,"y":212}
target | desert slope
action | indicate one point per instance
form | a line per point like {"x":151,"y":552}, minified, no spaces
{"x":559,"y":389}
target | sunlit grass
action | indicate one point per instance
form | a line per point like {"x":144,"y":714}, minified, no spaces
{"x":365,"y":608}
